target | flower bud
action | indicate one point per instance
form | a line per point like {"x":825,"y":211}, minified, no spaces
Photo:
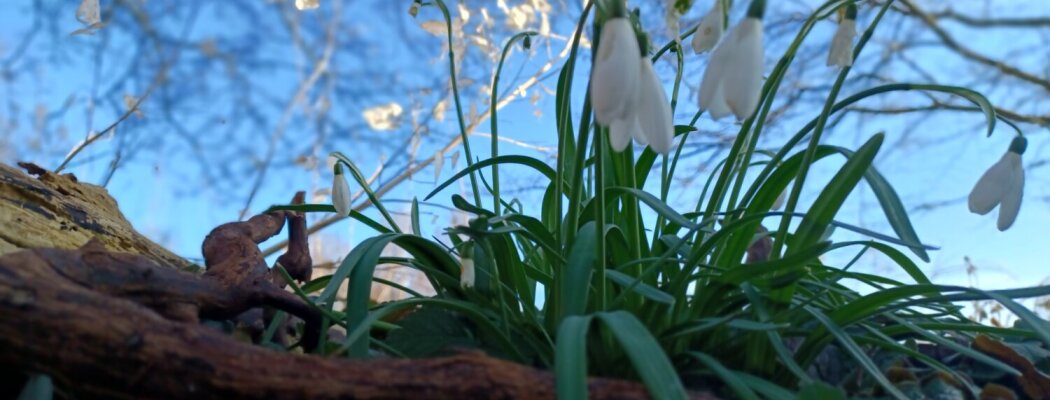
{"x":340,"y":192}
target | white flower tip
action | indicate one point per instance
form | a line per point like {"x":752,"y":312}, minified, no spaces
{"x":620,"y":132}
{"x":466,"y":273}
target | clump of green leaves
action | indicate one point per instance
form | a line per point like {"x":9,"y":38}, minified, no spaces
{"x":606,"y":278}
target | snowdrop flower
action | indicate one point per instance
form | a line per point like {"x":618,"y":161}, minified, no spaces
{"x":614,"y":77}
{"x":732,"y":82}
{"x":340,"y":192}
{"x":841,"y":53}
{"x":1002,"y":185}
{"x":710,"y":29}
{"x":466,"y":272}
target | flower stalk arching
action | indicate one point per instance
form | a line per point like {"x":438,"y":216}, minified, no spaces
{"x":459,"y":104}
{"x":525,"y":37}
{"x":848,"y":101}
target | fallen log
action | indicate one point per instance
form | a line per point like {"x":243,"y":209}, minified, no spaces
{"x":96,"y":343}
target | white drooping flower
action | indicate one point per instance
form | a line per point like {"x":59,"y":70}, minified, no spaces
{"x":614,"y":77}
{"x":466,"y":272}
{"x":710,"y":30}
{"x":340,"y":192}
{"x":1002,"y":185}
{"x":841,"y":53}
{"x":732,"y":83}
{"x":649,"y":123}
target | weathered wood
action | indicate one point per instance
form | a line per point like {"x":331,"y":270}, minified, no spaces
{"x":72,"y":315}
{"x":57,"y":211}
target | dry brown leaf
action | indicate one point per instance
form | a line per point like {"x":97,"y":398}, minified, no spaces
{"x":1035,"y":384}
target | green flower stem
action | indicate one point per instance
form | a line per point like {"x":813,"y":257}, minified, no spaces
{"x":635,"y":229}
{"x":459,"y":106}
{"x":494,"y":121}
{"x":574,"y":184}
{"x":814,"y":141}
{"x":565,"y":230}
{"x":599,"y":212}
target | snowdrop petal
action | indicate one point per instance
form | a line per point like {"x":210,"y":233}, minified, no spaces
{"x":620,"y":132}
{"x":614,"y":77}
{"x":654,"y":114}
{"x":989,"y":190}
{"x":1011,"y":201}
{"x":841,"y":53}
{"x":743,"y":84}
{"x":710,"y":29}
{"x":712,"y":91}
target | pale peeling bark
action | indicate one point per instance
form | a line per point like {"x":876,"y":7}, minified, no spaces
{"x":57,"y":211}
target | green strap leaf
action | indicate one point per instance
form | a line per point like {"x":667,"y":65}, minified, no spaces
{"x":823,"y":211}
{"x":535,"y":164}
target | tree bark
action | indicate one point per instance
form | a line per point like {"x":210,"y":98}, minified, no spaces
{"x":74,"y":315}
{"x":57,"y":211}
